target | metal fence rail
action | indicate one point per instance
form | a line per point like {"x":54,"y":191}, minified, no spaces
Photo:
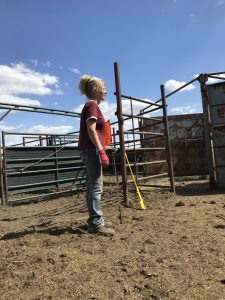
{"x":137,"y":134}
{"x":39,"y":170}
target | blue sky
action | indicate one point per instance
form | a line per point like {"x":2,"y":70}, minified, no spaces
{"x":47,"y":45}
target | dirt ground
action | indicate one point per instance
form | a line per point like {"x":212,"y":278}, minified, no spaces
{"x":175,"y":249}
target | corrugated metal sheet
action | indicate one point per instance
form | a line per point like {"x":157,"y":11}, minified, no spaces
{"x":37,"y":168}
{"x":188,"y":146}
{"x":216,"y":94}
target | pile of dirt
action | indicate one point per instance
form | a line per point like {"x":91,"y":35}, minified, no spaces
{"x":172,"y":250}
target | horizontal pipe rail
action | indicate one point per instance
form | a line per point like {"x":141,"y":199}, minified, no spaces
{"x":155,"y":185}
{"x":35,"y":159}
{"x":217,"y":73}
{"x":148,"y":163}
{"x":149,"y":177}
{"x":39,"y":110}
{"x":144,"y":132}
{"x":45,"y":183}
{"x":218,"y":126}
{"x":175,"y":91}
{"x":138,"y":140}
{"x":138,"y":100}
{"x":216,"y":77}
{"x":146,"y":149}
{"x":141,"y":117}
{"x":36,"y":133}
{"x":43,"y":171}
{"x":44,"y":195}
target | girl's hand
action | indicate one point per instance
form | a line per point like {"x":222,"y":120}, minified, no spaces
{"x":104,"y":158}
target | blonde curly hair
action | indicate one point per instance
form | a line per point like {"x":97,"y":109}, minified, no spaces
{"x":90,"y":86}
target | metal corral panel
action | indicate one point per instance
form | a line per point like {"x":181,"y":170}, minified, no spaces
{"x":216,"y":94}
{"x":37,"y":168}
{"x":187,"y":139}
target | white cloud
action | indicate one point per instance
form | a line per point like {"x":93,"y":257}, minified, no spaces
{"x":58,"y":92}
{"x":109,"y":109}
{"x":50,"y":129}
{"x":172,"y":85}
{"x":219,"y":2}
{"x":4,"y":127}
{"x":11,"y":99}
{"x":183,"y":110}
{"x":74,"y":70}
{"x":34,"y":62}
{"x":192,"y":15}
{"x":46,"y":64}
{"x":19,"y":79}
{"x":38,"y":129}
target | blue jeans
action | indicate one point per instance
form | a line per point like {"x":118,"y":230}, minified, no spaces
{"x":91,"y":159}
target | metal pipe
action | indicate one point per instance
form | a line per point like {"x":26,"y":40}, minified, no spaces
{"x":35,"y":134}
{"x":147,"y":149}
{"x":147,"y":126}
{"x":217,"y":73}
{"x":57,"y":169}
{"x":5,"y":114}
{"x":169,"y":158}
{"x":44,"y":195}
{"x":150,"y":177}
{"x":148,"y":163}
{"x":39,"y":110}
{"x":144,"y":132}
{"x":20,"y":171}
{"x":114,"y":138}
{"x":141,"y":117}
{"x":155,"y":185}
{"x":177,"y":90}
{"x":133,"y":132}
{"x":43,"y":183}
{"x":208,"y":134}
{"x":139,"y":100}
{"x":1,"y":175}
{"x":137,"y":140}
{"x":121,"y":132}
{"x":5,"y":181}
{"x":216,"y":77}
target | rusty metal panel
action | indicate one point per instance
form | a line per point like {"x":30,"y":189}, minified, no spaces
{"x":188,"y":156}
{"x":188,"y":146}
{"x":216,"y":95}
{"x":183,"y":127}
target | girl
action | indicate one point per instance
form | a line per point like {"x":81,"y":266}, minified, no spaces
{"x":92,"y":146}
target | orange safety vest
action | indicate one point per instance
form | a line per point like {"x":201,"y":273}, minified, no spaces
{"x":108,"y":134}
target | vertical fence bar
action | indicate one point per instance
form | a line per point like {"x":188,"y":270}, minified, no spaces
{"x":40,"y":140}
{"x":114,"y":138}
{"x":4,"y":169}
{"x":134,"y":143}
{"x":121,"y":132}
{"x":168,"y":147}
{"x":208,"y":132}
{"x":1,"y":175}
{"x":57,"y":168}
